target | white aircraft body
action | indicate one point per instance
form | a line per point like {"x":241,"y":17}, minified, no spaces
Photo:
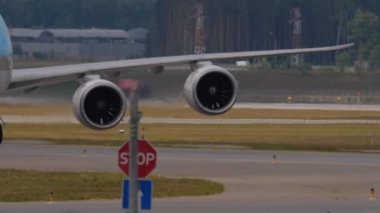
{"x":100,"y":104}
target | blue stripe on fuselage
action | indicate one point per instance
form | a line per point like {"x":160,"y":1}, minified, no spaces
{"x":5,"y":42}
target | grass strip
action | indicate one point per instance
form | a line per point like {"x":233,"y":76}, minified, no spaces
{"x":272,"y":137}
{"x":21,"y":186}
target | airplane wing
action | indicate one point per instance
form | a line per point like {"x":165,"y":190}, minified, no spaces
{"x":35,"y":77}
{"x":101,"y":104}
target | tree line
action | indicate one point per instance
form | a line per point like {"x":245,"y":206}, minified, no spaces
{"x":242,"y":25}
{"x":230,"y":25}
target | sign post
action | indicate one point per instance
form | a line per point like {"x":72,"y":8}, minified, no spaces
{"x":133,"y":147}
{"x":137,"y":159}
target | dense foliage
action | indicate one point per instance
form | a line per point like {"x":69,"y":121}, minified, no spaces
{"x":231,"y":25}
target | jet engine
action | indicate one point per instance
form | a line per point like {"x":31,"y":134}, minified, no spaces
{"x":99,"y":104}
{"x":211,"y":90}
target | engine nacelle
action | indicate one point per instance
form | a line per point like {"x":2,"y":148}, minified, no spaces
{"x":99,"y":104}
{"x":211,"y":90}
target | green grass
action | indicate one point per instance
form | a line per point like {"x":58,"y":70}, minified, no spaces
{"x":273,"y":137}
{"x":171,"y":187}
{"x":21,"y":186}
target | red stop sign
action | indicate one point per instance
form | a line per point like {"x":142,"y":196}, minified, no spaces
{"x":146,"y":158}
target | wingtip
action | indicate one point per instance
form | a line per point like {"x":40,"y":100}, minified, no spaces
{"x":345,"y":46}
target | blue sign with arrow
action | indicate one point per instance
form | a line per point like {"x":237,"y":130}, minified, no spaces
{"x":146,"y":190}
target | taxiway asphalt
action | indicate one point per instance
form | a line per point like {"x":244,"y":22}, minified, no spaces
{"x":296,"y":182}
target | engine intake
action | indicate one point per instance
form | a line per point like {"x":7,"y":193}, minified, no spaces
{"x":99,"y":104}
{"x":211,"y":90}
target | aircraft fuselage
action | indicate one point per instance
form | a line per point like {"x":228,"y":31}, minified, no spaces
{"x":5,"y":56}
